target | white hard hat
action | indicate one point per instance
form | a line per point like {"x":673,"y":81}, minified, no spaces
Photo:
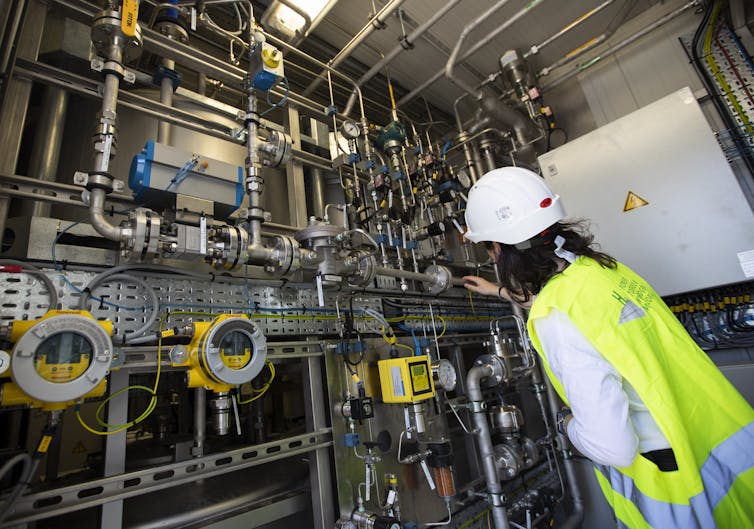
{"x":510,"y":205}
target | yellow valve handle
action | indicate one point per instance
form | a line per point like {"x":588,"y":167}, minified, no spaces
{"x":130,"y":15}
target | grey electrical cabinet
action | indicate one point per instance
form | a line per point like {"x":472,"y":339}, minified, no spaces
{"x":660,"y":196}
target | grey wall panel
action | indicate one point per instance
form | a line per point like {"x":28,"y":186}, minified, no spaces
{"x":697,"y":221}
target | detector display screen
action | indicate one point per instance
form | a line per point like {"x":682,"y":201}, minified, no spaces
{"x":235,"y":349}
{"x":63,"y":357}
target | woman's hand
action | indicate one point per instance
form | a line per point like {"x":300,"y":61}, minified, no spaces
{"x":484,"y":287}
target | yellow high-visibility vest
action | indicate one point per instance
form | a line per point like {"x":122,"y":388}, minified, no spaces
{"x":708,"y":424}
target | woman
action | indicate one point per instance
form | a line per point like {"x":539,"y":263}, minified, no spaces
{"x":672,"y":441}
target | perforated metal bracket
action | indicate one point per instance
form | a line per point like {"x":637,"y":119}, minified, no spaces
{"x":92,"y":493}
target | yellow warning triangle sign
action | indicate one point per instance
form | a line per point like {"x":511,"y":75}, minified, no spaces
{"x":634,"y":201}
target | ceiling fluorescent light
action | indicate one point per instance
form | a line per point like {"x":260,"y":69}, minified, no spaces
{"x":285,"y":17}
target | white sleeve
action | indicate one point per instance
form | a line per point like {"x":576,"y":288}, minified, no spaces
{"x":601,"y":428}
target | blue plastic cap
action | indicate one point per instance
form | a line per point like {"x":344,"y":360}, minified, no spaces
{"x":351,"y":440}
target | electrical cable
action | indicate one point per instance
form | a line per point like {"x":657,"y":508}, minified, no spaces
{"x":261,"y":391}
{"x":26,"y":473}
{"x":30,"y":468}
{"x":279,"y":104}
{"x":111,"y":429}
{"x":33,"y":270}
{"x":697,"y":41}
{"x":712,"y":64}
{"x":146,"y":288}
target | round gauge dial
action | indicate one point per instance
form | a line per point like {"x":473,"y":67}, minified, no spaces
{"x":63,"y":357}
{"x":350,"y":129}
{"x":463,"y":178}
{"x":446,"y":374}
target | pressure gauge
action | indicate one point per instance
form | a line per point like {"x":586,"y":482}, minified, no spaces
{"x":350,"y":129}
{"x":463,"y":178}
{"x":446,"y":374}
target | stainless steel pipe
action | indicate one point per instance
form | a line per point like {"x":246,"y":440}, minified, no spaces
{"x":484,"y":442}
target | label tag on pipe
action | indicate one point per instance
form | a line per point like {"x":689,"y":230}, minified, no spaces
{"x":129,"y":17}
{"x":203,"y":235}
{"x":320,"y":292}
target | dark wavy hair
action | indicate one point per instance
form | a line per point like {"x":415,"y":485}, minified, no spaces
{"x":524,"y":272}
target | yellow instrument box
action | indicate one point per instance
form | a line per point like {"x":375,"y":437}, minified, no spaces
{"x":407,"y":379}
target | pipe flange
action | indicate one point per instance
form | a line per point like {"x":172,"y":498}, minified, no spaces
{"x":318,"y":230}
{"x":236,"y":242}
{"x":39,"y":352}
{"x":172,"y":28}
{"x":365,"y":272}
{"x":107,"y":37}
{"x":287,"y":251}
{"x":145,"y":239}
{"x":233,"y":351}
{"x":496,"y":365}
{"x":440,"y":277}
{"x":276,"y":150}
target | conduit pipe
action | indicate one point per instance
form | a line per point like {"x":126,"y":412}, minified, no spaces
{"x":577,"y":516}
{"x":484,"y":441}
{"x":453,"y":58}
{"x":103,"y":150}
{"x":583,"y":18}
{"x":475,"y":48}
{"x":376,"y":22}
{"x":48,"y":139}
{"x":414,"y":276}
{"x":622,"y":44}
{"x":474,"y":171}
{"x":405,"y":44}
{"x":526,"y":132}
{"x":588,"y":45}
{"x":166,"y":98}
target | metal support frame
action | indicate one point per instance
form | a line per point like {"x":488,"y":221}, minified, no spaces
{"x":320,"y":475}
{"x":115,"y":448}
{"x":101,"y":491}
{"x":16,"y":99}
{"x":294,"y":171}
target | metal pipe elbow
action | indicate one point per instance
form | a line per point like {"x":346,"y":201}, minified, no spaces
{"x":99,"y":221}
{"x":474,"y":381}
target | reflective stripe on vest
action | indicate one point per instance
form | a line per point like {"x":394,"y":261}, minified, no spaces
{"x":659,"y":514}
{"x":725,"y":463}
